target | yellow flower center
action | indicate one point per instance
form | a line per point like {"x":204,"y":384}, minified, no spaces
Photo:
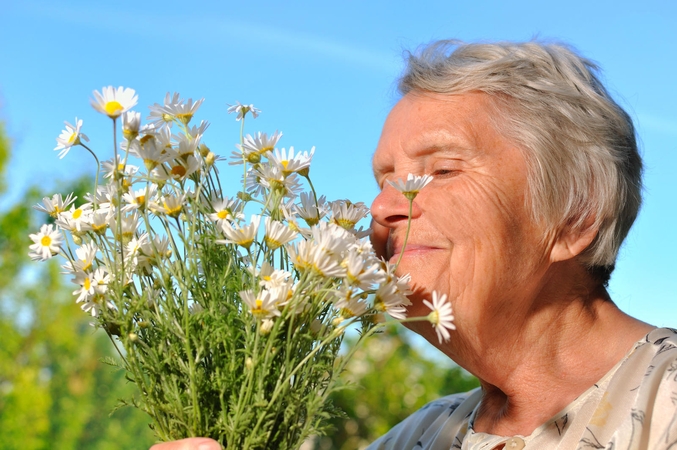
{"x":273,"y":244}
{"x":77,"y":213}
{"x":222,"y":214}
{"x":113,"y":108}
{"x":99,"y":228}
{"x":258,"y":311}
{"x":173,"y":212}
{"x":72,"y":138}
{"x":88,"y":283}
{"x":179,"y":171}
{"x":184,"y":117}
{"x":345,"y":223}
{"x":146,"y":138}
{"x":46,"y":241}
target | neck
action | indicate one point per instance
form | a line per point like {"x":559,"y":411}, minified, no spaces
{"x":535,"y":362}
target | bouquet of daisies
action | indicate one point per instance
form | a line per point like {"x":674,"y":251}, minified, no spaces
{"x":228,"y":312}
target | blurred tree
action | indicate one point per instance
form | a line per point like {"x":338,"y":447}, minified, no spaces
{"x":54,"y":390}
{"x":391,"y":380}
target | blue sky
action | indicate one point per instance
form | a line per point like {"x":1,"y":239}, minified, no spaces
{"x":323,"y":74}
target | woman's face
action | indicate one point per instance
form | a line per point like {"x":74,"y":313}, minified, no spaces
{"x":471,"y":235}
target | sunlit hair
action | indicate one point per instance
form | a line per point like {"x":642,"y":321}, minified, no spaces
{"x":580,"y":146}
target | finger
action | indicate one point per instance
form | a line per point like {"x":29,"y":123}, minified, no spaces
{"x":188,"y":444}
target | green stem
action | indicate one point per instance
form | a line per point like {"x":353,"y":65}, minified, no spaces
{"x":98,"y":170}
{"x":406,"y":236}
{"x":244,"y":159}
{"x":317,"y":205}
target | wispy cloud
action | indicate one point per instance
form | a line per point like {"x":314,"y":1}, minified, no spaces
{"x":201,"y":30}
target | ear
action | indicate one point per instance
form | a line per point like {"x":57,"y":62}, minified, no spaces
{"x":571,"y":243}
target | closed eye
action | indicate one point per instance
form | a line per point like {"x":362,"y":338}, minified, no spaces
{"x":445,"y":173}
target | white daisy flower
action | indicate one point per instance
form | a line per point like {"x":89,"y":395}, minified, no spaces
{"x":242,"y":236}
{"x":242,"y":110}
{"x":151,"y":151}
{"x":331,"y":239}
{"x":117,"y":167}
{"x":94,"y":305}
{"x":272,"y":177}
{"x":277,"y":233}
{"x":225,"y":209}
{"x":441,"y":316}
{"x":106,"y":197}
{"x":362,"y":272}
{"x":346,"y":214}
{"x":179,"y":169}
{"x":254,"y":147}
{"x":47,"y":243}
{"x":76,"y":220}
{"x":156,"y":249}
{"x":128,"y":225}
{"x":261,"y":305}
{"x":138,"y":199}
{"x":290,"y":162}
{"x":390,"y":299}
{"x":158,"y":116}
{"x":101,"y":280}
{"x":348,"y":304}
{"x":308,"y":257}
{"x":86,"y":290}
{"x":281,"y":293}
{"x":269,"y":277}
{"x":131,"y":122}
{"x":308,"y":210}
{"x":70,"y":137}
{"x":100,"y":220}
{"x":196,"y":132}
{"x":186,"y":145}
{"x":412,"y":186}
{"x":113,"y":102}
{"x":55,"y":205}
{"x":172,"y":205}
{"x":86,"y":254}
{"x":182,"y":111}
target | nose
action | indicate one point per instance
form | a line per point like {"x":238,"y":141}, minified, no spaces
{"x":389,"y":210}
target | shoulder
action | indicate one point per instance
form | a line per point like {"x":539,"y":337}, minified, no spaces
{"x":450,"y":411}
{"x":656,"y":407}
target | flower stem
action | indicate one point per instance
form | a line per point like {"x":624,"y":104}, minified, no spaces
{"x":98,"y":169}
{"x":406,"y":236}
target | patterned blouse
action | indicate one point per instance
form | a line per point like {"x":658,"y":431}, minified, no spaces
{"x":633,"y":407}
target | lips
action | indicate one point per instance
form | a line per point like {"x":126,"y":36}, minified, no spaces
{"x":413,"y":249}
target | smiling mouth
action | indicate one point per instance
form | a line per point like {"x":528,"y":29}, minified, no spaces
{"x":411,"y":249}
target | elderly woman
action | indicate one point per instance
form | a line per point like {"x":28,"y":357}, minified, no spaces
{"x":536,"y":182}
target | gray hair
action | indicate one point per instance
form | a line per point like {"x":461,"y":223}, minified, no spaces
{"x":584,"y":166}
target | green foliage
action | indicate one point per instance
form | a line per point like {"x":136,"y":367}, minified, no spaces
{"x":4,"y":155}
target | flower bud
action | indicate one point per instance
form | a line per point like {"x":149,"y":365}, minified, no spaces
{"x":204,"y":150}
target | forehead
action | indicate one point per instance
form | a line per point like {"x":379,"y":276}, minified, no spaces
{"x":422,"y":123}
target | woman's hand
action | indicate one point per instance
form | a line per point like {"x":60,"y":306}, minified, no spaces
{"x":189,"y":444}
